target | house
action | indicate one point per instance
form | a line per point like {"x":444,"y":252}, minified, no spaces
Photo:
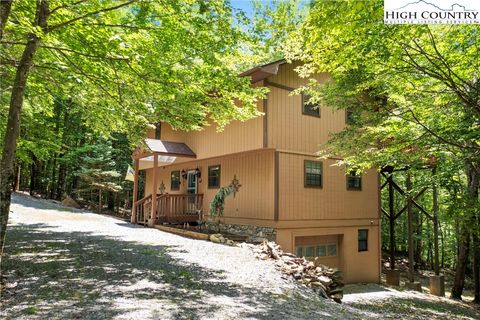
{"x":285,"y":192}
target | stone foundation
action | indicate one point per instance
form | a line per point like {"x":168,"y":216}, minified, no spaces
{"x":253,"y":233}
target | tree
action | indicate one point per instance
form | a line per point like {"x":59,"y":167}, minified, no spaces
{"x":125,"y":62}
{"x":413,"y":90}
{"x":97,"y":171}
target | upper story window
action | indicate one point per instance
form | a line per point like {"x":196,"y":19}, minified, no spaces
{"x":175,"y":180}
{"x":214,"y":176}
{"x":313,"y":174}
{"x":308,"y":108}
{"x":354,"y":180}
{"x":362,"y":240}
{"x":158,"y":130}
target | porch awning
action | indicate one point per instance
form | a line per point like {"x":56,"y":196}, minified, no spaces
{"x":166,"y":152}
{"x":169,"y":148}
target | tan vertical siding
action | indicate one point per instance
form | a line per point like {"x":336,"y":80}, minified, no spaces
{"x":288,"y":128}
{"x":254,"y":170}
{"x":237,"y":136}
{"x":332,"y":201}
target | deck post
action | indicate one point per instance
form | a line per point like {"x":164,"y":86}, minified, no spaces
{"x":153,"y":213}
{"x":133,"y":219}
{"x":411,"y":271}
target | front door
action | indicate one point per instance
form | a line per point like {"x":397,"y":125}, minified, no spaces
{"x":192,"y":182}
{"x":192,"y":189}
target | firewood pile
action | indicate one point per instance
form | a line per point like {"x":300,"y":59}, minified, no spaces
{"x":326,"y":281}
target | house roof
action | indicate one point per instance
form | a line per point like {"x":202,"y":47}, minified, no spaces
{"x":263,"y":71}
{"x":171,"y":148}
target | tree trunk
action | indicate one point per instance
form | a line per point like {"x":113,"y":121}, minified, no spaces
{"x":473,"y":180}
{"x":12,"y":129}
{"x":476,"y":262}
{"x":5,"y":8}
{"x":459,"y":281}
{"x":100,"y":201}
{"x":61,"y":181}
{"x":111,"y":201}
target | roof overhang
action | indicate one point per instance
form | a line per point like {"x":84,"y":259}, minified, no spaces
{"x":165,"y":151}
{"x":262,"y":72}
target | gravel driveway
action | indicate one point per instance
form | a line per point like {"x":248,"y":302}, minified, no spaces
{"x":72,"y":264}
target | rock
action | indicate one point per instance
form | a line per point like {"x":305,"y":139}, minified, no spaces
{"x":257,"y":240}
{"x":325,"y":280}
{"x":337,"y":297}
{"x":264,"y":256}
{"x":215,"y":238}
{"x":318,"y":285}
{"x":230,"y":242}
{"x":69,"y":202}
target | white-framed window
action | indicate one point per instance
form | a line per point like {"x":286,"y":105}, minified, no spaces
{"x":319,"y":250}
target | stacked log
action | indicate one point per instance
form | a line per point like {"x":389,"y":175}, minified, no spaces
{"x":326,"y":281}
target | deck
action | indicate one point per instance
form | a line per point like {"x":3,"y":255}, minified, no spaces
{"x":169,"y":208}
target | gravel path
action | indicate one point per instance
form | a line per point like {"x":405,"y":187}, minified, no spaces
{"x":72,"y":264}
{"x":63,"y":263}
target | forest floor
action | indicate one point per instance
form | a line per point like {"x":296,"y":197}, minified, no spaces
{"x":63,"y":263}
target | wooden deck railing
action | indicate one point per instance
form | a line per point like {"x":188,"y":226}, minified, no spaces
{"x":170,"y":208}
{"x":143,"y":208}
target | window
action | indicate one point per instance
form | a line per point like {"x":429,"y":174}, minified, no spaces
{"x":158,"y":130}
{"x":313,"y":174}
{"x":214,"y":176}
{"x":299,"y":251}
{"x":331,"y":250}
{"x":362,"y":240}
{"x":310,"y":251}
{"x":354,"y":180}
{"x":321,"y":250}
{"x":308,"y":108}
{"x":175,"y":180}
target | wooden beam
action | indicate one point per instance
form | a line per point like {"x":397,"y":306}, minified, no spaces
{"x":276,"y":186}
{"x":141,"y":155}
{"x":415,"y":203}
{"x":391,"y":209}
{"x":133,"y":219}
{"x":436,"y":265}
{"x":278,"y":85}
{"x":384,"y":185}
{"x":411,"y":271}
{"x":153,"y":213}
{"x":265,"y":122}
{"x":385,"y":213}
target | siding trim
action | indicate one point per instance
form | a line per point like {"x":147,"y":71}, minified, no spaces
{"x":265,"y":122}
{"x":278,"y":85}
{"x":276,"y":186}
{"x":308,"y":154}
{"x":218,"y":157}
